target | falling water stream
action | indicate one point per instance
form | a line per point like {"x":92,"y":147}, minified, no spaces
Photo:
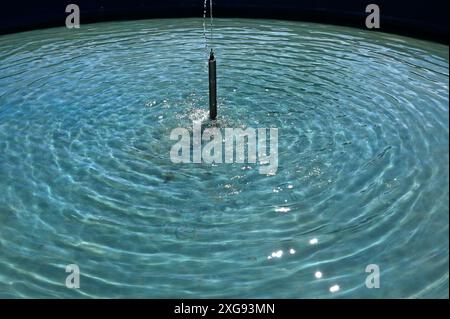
{"x":208,"y":42}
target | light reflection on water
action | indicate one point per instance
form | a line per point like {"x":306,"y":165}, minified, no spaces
{"x":85,"y":174}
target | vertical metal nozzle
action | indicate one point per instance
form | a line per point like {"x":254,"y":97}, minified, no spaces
{"x":212,"y":86}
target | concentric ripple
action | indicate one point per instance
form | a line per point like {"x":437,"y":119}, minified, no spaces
{"x":86,"y":178}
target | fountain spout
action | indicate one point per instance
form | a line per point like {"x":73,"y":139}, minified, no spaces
{"x":212,"y":86}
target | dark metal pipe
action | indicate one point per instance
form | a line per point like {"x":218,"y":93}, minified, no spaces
{"x":212,"y":87}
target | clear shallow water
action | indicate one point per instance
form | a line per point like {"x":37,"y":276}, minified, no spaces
{"x":86,"y":178}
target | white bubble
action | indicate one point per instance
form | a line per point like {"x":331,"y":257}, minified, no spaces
{"x":314,"y":241}
{"x":318,"y":275}
{"x":292,"y":251}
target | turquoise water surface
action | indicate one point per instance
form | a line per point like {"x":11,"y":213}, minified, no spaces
{"x":86,"y":177}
